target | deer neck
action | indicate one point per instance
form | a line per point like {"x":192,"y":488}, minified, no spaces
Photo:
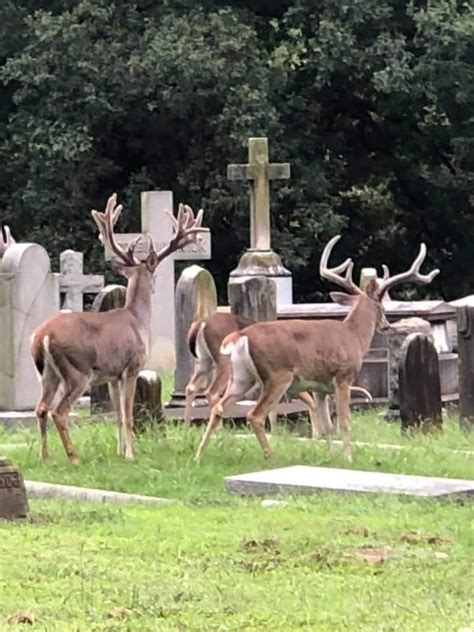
{"x":362,"y":320}
{"x":138,"y":298}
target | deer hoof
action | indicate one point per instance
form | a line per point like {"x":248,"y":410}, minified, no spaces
{"x":75,"y":460}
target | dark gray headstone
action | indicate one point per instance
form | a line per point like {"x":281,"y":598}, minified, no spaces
{"x":419,"y":384}
{"x":13,"y":501}
{"x":111,"y":297}
{"x":465,"y":327}
{"x":253,"y":297}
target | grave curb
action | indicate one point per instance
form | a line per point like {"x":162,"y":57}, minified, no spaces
{"x":38,"y":489}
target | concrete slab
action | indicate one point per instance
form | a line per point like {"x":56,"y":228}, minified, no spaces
{"x":304,"y":479}
{"x":36,"y":489}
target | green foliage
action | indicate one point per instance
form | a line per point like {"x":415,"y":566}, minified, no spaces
{"x":370,"y":100}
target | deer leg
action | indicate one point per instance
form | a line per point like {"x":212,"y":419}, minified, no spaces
{"x":127,"y":387}
{"x":322,"y":413}
{"x":272,"y":418}
{"x":197,"y":384}
{"x":218,"y":385}
{"x":308,"y":400}
{"x":343,"y":394}
{"x":236,"y":389}
{"x":49,"y":387}
{"x":73,"y":389}
{"x":272,"y":391}
{"x":114,"y":393}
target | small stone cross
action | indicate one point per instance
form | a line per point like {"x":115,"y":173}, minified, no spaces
{"x":259,"y":171}
{"x":73,"y":283}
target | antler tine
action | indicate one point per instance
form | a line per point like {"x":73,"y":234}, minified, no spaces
{"x":334,"y":274}
{"x":386,"y":272}
{"x":105,"y":222}
{"x":186,"y":229}
{"x":6,"y":239}
{"x":412,"y":275}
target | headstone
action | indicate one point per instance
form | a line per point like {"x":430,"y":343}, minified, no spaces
{"x":29,"y":294}
{"x":73,"y":283}
{"x":111,"y":297}
{"x":420,"y":386}
{"x":147,"y":406}
{"x":155,"y":206}
{"x":13,"y":501}
{"x":260,"y":259}
{"x":196,"y":297}
{"x":465,"y":326}
{"x":304,"y":479}
{"x":253,"y":297}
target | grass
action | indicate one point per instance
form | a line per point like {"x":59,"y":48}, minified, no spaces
{"x":214,"y":561}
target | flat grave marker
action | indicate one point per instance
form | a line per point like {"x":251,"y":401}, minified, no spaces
{"x":306,"y":479}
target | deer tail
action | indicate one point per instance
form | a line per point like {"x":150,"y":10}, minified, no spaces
{"x":229,"y":342}
{"x":192,"y":335}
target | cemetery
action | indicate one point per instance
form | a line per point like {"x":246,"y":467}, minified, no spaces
{"x":197,"y":431}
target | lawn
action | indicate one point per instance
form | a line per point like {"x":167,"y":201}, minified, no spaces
{"x":215,"y":561}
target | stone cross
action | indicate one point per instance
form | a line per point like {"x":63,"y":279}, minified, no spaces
{"x":156,"y":222}
{"x":259,"y":171}
{"x":73,"y":283}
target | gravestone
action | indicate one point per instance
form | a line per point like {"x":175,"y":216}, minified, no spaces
{"x":196,"y":297}
{"x":111,"y":297}
{"x":29,"y":294}
{"x":73,"y":283}
{"x":13,"y":501}
{"x":465,"y":340}
{"x":305,"y":479}
{"x":147,"y":403}
{"x":260,"y":259}
{"x":155,"y":221}
{"x":253,"y":297}
{"x":419,"y":384}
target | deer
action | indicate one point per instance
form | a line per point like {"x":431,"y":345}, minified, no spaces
{"x":75,"y":349}
{"x":211,"y":370}
{"x":284,"y":356}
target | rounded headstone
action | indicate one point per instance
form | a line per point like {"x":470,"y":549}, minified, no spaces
{"x":13,"y":501}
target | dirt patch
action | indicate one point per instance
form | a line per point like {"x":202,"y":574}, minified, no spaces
{"x":363,"y":531}
{"x":372,"y":555}
{"x":119,"y":613}
{"x":21,"y":617}
{"x":416,"y":537}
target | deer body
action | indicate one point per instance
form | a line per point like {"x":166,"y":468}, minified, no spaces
{"x":73,"y":350}
{"x":287,"y":355}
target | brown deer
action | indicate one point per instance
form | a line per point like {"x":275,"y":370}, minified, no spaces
{"x":72,"y":350}
{"x":286,"y":355}
{"x":211,"y":371}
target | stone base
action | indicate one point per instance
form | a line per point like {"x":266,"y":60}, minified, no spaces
{"x":268,"y":264}
{"x":13,"y":501}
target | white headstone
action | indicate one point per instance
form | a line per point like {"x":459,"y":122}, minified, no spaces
{"x":29,"y":293}
{"x":74,"y":283}
{"x":155,"y":206}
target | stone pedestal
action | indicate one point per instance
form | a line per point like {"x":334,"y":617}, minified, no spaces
{"x":253,"y":297}
{"x":266,"y":263}
{"x":465,"y":326}
{"x":13,"y":501}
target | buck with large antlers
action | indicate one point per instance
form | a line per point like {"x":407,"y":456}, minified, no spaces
{"x":72,"y":350}
{"x":287,"y":355}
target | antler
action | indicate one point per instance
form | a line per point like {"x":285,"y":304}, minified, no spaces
{"x":105,"y":222}
{"x":412,"y":275}
{"x":6,"y":239}
{"x":334,"y":274}
{"x":186,"y":229}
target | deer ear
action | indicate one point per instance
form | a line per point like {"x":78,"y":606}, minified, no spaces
{"x":341,"y":298}
{"x":152,"y":261}
{"x":372,"y":290}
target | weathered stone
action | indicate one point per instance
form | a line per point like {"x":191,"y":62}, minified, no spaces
{"x":29,"y":294}
{"x":73,"y":283}
{"x":147,"y":406}
{"x":303,"y":479}
{"x":419,"y":384}
{"x":155,"y":206}
{"x":13,"y":501}
{"x":260,"y":260}
{"x":465,"y":326}
{"x":196,"y":297}
{"x":253,"y":297}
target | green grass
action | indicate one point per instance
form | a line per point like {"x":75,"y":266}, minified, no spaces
{"x":214,"y":561}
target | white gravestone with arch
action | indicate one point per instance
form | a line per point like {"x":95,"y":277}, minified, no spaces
{"x":29,"y":293}
{"x":155,"y":220}
{"x":73,"y":283}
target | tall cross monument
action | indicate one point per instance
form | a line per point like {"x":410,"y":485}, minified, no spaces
{"x":260,"y":259}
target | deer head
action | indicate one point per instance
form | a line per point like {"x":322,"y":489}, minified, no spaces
{"x":6,"y":239}
{"x":186,"y":229}
{"x":375,"y":290}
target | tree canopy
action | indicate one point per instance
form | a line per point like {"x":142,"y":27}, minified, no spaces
{"x":371,"y":101}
